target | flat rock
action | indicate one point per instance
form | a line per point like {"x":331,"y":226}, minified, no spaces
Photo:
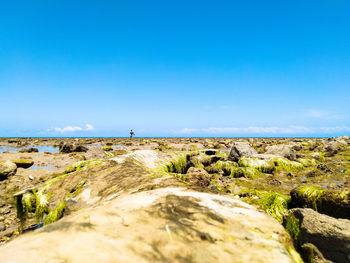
{"x":148,"y":158}
{"x":23,"y":163}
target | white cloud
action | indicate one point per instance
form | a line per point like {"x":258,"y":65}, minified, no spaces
{"x":263,"y":130}
{"x":89,"y":127}
{"x":68,"y":129}
{"x":185,"y":131}
{"x":335,"y":129}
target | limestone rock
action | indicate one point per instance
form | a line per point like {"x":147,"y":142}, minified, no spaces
{"x":240,"y":149}
{"x":282,"y":150}
{"x":332,"y":149}
{"x":331,"y":236}
{"x":199,"y":176}
{"x":7,"y":168}
{"x":161,"y":225}
{"x":23,"y":163}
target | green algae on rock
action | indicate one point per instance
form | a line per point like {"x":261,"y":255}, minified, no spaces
{"x":82,"y":164}
{"x":56,"y":213}
{"x":273,"y":203}
{"x":336,"y":204}
{"x":292,"y":225}
{"x":107,"y":148}
{"x":285,"y":164}
{"x":226,"y":166}
{"x":264,"y":166}
{"x":308,"y":162}
{"x":23,"y":163}
{"x":178,"y":165}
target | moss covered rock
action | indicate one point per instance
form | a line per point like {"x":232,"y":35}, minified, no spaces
{"x":308,"y":162}
{"x":264,"y":166}
{"x":23,"y":163}
{"x":336,"y":204}
{"x":178,"y":165}
{"x":107,"y":148}
{"x":285,"y":164}
{"x":310,"y":230}
{"x":80,"y":165}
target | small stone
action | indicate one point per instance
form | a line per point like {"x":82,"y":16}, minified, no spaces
{"x":2,"y":227}
{"x":5,"y":210}
{"x":31,"y":177}
{"x":9,"y":232}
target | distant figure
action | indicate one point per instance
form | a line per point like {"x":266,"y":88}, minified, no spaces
{"x":132,"y":134}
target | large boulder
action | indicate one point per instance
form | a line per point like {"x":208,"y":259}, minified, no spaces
{"x":282,"y":150}
{"x":330,"y":236}
{"x":160,"y":225}
{"x":7,"y":168}
{"x":240,"y":149}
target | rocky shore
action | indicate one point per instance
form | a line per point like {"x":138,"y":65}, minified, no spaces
{"x":175,"y":200}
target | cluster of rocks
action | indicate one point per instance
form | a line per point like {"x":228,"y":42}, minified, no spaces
{"x":9,"y":167}
{"x":319,"y":218}
{"x":69,"y":148}
{"x":322,"y":235}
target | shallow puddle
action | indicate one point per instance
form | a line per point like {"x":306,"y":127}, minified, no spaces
{"x":42,"y":148}
{"x":48,"y":167}
{"x":339,"y":183}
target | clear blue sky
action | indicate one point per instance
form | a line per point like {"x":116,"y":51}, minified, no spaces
{"x":175,"y":68}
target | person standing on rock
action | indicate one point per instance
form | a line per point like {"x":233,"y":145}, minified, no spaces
{"x":132,"y":133}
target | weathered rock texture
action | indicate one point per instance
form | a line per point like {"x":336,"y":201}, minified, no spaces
{"x":330,"y":236}
{"x":7,"y":168}
{"x":282,"y":150}
{"x":162,"y":225}
{"x":240,"y":149}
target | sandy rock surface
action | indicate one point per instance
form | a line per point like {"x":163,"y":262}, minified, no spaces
{"x":162,"y":225}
